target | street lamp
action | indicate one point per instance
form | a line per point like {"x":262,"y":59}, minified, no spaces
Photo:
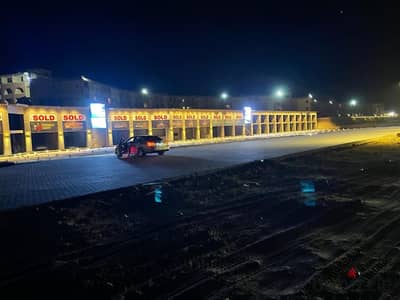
{"x":224,"y":96}
{"x":330,"y":102}
{"x":144,"y":91}
{"x":279,"y":93}
{"x":310,"y":95}
{"x":353,"y":102}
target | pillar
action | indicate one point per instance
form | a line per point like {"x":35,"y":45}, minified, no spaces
{"x":6,"y":133}
{"x":184,"y":129}
{"x":131,"y":131}
{"x":27,"y":131}
{"x":150,"y":125}
{"x":60,"y":131}
{"x":211,"y":129}
{"x":198,"y":135}
{"x":109,"y":140}
{"x":259,"y":124}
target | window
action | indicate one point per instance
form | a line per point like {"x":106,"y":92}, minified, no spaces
{"x":22,"y":78}
{"x":8,"y":92}
{"x":9,"y":80}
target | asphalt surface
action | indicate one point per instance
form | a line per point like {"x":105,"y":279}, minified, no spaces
{"x":39,"y":182}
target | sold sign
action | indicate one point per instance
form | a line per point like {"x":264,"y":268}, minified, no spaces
{"x":43,"y":117}
{"x":74,"y":117}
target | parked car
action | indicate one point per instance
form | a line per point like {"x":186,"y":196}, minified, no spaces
{"x":140,"y":146}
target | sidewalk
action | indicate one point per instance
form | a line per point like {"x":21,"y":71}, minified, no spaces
{"x":70,"y":153}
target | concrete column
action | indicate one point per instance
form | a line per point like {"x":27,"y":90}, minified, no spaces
{"x":211,"y":128}
{"x":131,"y":131}
{"x":109,"y":140}
{"x":6,"y":134}
{"x":27,"y":132}
{"x":259,"y":124}
{"x":244,"y":129}
{"x":89,"y":142}
{"x":198,"y":135}
{"x":184,"y":130}
{"x":275,"y":122}
{"x":150,"y":125}
{"x":282,"y":123}
{"x":170,"y":132}
{"x":234,"y":128}
{"x":60,"y":132}
{"x":222,"y":130}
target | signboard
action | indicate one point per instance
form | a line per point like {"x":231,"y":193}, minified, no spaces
{"x":98,"y":115}
{"x":160,"y":124}
{"x":43,"y":127}
{"x":141,"y":125}
{"x":190,"y":123}
{"x":190,"y":116}
{"x":73,"y":117}
{"x":217,"y":116}
{"x":160,"y":117}
{"x":177,"y":116}
{"x":239,"y":116}
{"x":74,"y":126}
{"x":140,"y":117}
{"x":43,"y":117}
{"x":119,"y":118}
{"x":120,"y":125}
{"x":204,"y":116}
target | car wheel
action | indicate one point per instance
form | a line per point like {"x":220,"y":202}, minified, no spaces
{"x":140,"y":152}
{"x":161,"y":152}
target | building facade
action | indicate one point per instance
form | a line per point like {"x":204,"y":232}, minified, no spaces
{"x":28,"y":128}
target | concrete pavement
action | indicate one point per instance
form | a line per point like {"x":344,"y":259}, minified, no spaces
{"x":39,"y":182}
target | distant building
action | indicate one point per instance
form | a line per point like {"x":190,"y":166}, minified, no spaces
{"x":14,"y":87}
{"x":39,"y":87}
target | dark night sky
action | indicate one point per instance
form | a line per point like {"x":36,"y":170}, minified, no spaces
{"x":204,"y":49}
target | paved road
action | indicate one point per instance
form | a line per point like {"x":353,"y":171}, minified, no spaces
{"x":34,"y":183}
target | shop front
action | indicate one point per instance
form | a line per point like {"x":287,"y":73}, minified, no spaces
{"x":75,"y":130}
{"x":204,"y":124}
{"x":177,"y":125}
{"x":229,"y":125}
{"x":44,"y":131}
{"x":218,"y":125}
{"x":160,"y":125}
{"x":191,"y":129}
{"x":120,"y":128}
{"x":140,"y":124}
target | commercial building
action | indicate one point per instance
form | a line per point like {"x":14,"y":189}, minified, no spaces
{"x":28,"y":128}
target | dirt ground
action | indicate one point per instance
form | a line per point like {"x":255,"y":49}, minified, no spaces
{"x":287,"y":228}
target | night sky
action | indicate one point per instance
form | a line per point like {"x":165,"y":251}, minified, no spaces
{"x":332,"y":50}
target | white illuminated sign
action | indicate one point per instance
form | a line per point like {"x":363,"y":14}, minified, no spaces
{"x":98,"y":115}
{"x":247,"y":115}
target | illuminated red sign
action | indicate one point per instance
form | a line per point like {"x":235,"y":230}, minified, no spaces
{"x":160,"y":117}
{"x":120,"y":118}
{"x":74,"y":117}
{"x":140,"y":118}
{"x":43,"y":117}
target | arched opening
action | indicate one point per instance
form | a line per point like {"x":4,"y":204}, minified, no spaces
{"x":19,"y":91}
